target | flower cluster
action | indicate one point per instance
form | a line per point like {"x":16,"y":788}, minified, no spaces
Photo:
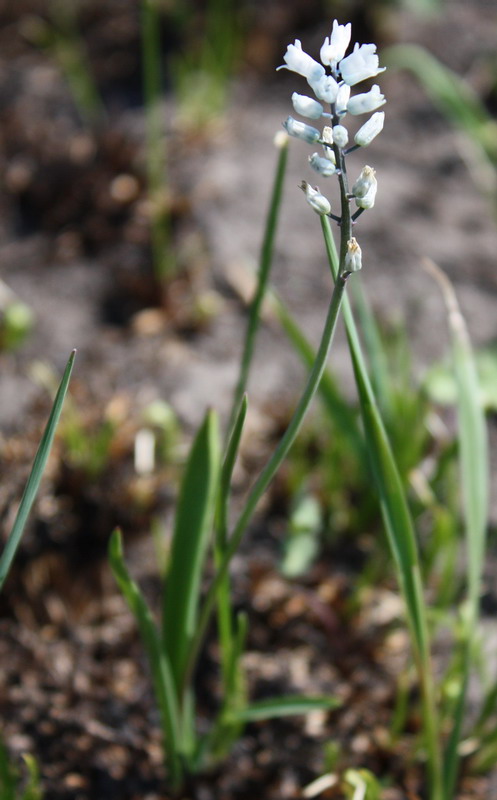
{"x":331,"y":82}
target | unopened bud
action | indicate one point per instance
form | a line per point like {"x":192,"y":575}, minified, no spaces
{"x":340,"y":135}
{"x":353,"y":259}
{"x":300,"y":130}
{"x":316,"y":200}
{"x":306,"y":106}
{"x":364,"y":189}
{"x":322,"y":165}
{"x":370,"y":129}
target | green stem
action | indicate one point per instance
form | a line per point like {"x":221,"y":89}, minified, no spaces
{"x":265,"y":262}
{"x":271,"y":467}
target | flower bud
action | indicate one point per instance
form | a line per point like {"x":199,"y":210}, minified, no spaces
{"x":342,"y":99}
{"x":353,"y":258}
{"x":325,"y":88}
{"x":322,"y":165}
{"x":368,"y":101}
{"x":327,"y":137}
{"x":316,"y":200}
{"x":360,"y":65}
{"x":364,"y":189}
{"x":296,"y":60}
{"x":334,"y":47}
{"x":370,"y":129}
{"x":340,"y":135}
{"x":306,"y":106}
{"x":300,"y":130}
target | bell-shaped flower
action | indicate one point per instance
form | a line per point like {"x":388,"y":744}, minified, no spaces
{"x":366,"y":102}
{"x":342,"y":99}
{"x":316,"y":200}
{"x":360,"y":65}
{"x":364,"y":189}
{"x":370,"y":129}
{"x":306,"y":106}
{"x":301,"y":130}
{"x":327,"y":141}
{"x":353,"y":257}
{"x":322,"y":165}
{"x":334,"y":47}
{"x":326,"y":88}
{"x":297,"y":60}
{"x":340,"y":135}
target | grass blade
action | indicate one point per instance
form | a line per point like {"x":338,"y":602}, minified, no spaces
{"x":159,"y":663}
{"x":265,"y":263}
{"x":194,"y":517}
{"x":285,"y":707}
{"x":474,"y":468}
{"x":36,"y":473}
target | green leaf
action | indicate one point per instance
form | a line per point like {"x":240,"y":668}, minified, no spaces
{"x":35,"y":476}
{"x":474,"y":468}
{"x":194,"y":517}
{"x":286,"y":707}
{"x":159,"y":663}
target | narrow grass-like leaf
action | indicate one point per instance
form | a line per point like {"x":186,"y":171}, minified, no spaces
{"x":35,"y":476}
{"x":273,"y":464}
{"x":285,"y":707}
{"x":474,"y":467}
{"x":451,"y":93}
{"x":224,"y":610}
{"x":227,"y":471}
{"x":33,"y":789}
{"x":8,"y":775}
{"x":194,"y":518}
{"x":159,"y":663}
{"x":339,"y":411}
{"x":265,"y":263}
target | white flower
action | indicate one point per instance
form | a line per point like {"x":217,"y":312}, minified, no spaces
{"x":322,"y":165}
{"x":327,"y":137}
{"x":307,"y":106}
{"x":300,"y":130}
{"x":353,"y":258}
{"x":360,"y":65}
{"x":364,"y":189}
{"x":368,"y":101}
{"x":342,"y":99}
{"x":370,"y":129}
{"x":334,"y":47}
{"x":326,"y":88}
{"x":315,"y":199}
{"x":300,"y":62}
{"x":340,"y":135}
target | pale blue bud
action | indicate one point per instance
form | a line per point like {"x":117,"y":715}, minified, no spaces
{"x":307,"y":106}
{"x":322,"y":165}
{"x":370,"y":129}
{"x":326,"y":88}
{"x":316,"y":200}
{"x":366,"y":102}
{"x":342,"y":99}
{"x":301,"y":130}
{"x":340,"y":135}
